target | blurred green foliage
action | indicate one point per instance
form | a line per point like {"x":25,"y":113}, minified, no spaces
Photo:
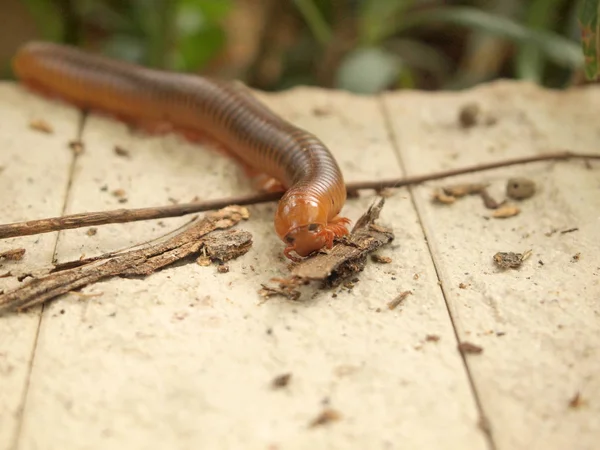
{"x":364,"y":46}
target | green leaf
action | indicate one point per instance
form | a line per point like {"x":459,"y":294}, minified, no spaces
{"x":315,"y":20}
{"x":529,"y":60}
{"x":590,"y":37}
{"x":199,"y":33}
{"x":196,"y":50}
{"x":212,"y":10}
{"x":556,"y":48}
{"x":368,"y":70}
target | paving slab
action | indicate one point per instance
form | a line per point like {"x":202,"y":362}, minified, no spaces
{"x":34,"y":175}
{"x":186,"y":357}
{"x":538,"y":325}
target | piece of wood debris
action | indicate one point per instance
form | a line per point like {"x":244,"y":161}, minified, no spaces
{"x":92,"y":231}
{"x":287,"y":288}
{"x":506,"y":211}
{"x":347,"y":258}
{"x":520,"y":188}
{"x":14,"y":254}
{"x":432,"y":338}
{"x":469,"y":348}
{"x":464,"y":189}
{"x":570,"y":230}
{"x":439,"y":196}
{"x":393,"y":304}
{"x":576,"y":257}
{"x":511,"y":260}
{"x":326,"y":416}
{"x":41,"y":125}
{"x":281,"y":381}
{"x":488,"y":201}
{"x":448,"y":194}
{"x":207,"y":236}
{"x":381,"y":259}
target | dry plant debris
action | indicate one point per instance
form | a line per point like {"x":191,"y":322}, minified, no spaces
{"x":511,"y":260}
{"x":448,"y":194}
{"x":342,"y":262}
{"x":15,"y":254}
{"x":469,"y":348}
{"x":327,"y":416}
{"x":381,"y":259}
{"x":463,"y":189}
{"x":488,"y":201}
{"x":570,"y":230}
{"x":393,"y":304}
{"x":207,"y":236}
{"x":41,"y":125}
{"x":506,"y":211}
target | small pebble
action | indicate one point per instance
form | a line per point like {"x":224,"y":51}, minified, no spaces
{"x":520,"y":188}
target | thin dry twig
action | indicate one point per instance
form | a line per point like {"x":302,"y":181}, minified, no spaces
{"x":202,"y":236}
{"x":160,"y":212}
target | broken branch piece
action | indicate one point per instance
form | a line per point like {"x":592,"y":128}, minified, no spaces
{"x":201,"y":236}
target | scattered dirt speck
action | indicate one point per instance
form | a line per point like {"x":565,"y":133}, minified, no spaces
{"x":281,"y":381}
{"x":121,"y":151}
{"x":77,"y":147}
{"x":468,"y":115}
{"x":576,"y":401}
{"x":326,"y":416}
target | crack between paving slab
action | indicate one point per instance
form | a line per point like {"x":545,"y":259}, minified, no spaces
{"x":17,"y":439}
{"x":484,"y":422}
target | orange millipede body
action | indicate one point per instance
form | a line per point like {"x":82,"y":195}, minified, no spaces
{"x":307,"y":215}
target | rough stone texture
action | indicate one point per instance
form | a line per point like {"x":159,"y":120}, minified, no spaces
{"x":185,"y":358}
